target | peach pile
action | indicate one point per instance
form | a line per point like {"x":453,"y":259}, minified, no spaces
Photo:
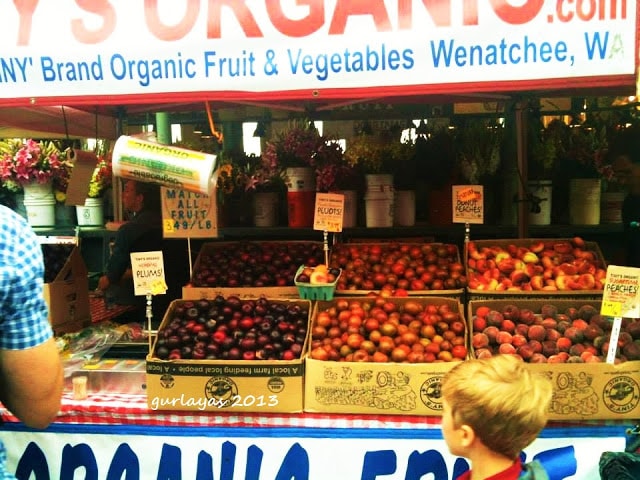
{"x":398,"y":267}
{"x":554,"y":265}
{"x":577,"y":335}
{"x":318,"y":275}
{"x":378,"y":329}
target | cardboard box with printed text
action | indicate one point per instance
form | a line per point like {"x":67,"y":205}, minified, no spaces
{"x":376,"y":388}
{"x":581,"y":391}
{"x":267,"y":386}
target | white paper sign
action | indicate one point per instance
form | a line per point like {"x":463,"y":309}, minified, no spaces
{"x":148,"y":273}
{"x":468,"y":203}
{"x":329,"y":212}
{"x":621,"y":294}
{"x":188,"y":214}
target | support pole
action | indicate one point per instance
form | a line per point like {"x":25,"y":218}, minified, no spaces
{"x":163,"y":128}
{"x":521,"y":125}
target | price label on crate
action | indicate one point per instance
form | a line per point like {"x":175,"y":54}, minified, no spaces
{"x":467,"y":203}
{"x":329,"y":212}
{"x":621,"y":294}
{"x":147,"y":269}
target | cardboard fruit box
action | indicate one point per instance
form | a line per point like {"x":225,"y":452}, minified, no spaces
{"x":267,"y":386}
{"x":417,"y":258}
{"x":376,"y":388}
{"x":66,"y":287}
{"x":534,"y":268}
{"x":254,"y":256}
{"x":581,"y":391}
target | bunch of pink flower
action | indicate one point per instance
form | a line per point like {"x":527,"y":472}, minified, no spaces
{"x":294,"y":148}
{"x":30,"y":161}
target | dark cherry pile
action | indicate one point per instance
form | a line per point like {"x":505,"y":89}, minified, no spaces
{"x":230,"y":328}
{"x":55,"y":256}
{"x":255,"y":264}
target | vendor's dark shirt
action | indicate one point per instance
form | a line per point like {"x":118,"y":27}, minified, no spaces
{"x":631,"y":213}
{"x":146,"y":226}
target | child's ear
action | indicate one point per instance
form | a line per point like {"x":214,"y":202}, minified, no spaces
{"x":467,"y":436}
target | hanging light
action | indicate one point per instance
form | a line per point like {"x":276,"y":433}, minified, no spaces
{"x":197,"y":129}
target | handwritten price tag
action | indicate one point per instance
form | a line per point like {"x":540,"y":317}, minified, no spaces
{"x":611,"y":309}
{"x":467,"y":203}
{"x":468,"y":194}
{"x":329,"y":212}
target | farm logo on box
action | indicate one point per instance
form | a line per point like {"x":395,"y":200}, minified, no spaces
{"x":275,"y":384}
{"x":431,"y":393}
{"x":621,"y":394}
{"x":221,"y":389}
{"x":167,"y":381}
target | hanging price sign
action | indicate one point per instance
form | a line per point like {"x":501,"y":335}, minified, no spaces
{"x":329,"y":212}
{"x":468,"y":203}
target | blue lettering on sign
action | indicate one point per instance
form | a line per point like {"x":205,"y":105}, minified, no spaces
{"x":561,"y":463}
{"x":382,"y":462}
{"x":124,"y":461}
{"x":33,"y":461}
{"x":596,"y":45}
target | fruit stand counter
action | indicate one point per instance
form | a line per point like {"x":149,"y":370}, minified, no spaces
{"x":108,"y":434}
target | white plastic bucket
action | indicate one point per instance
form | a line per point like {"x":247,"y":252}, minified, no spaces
{"x":40,"y":205}
{"x":379,"y":208}
{"x":611,"y":207}
{"x":542,"y":191}
{"x":379,"y":182}
{"x":265,"y":209}
{"x":584,"y":201}
{"x":91,"y":213}
{"x":405,"y":208}
{"x":300,"y":179}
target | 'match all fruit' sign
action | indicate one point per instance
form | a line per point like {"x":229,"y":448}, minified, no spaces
{"x":310,"y":49}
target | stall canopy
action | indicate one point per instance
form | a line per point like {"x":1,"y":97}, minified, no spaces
{"x":321,"y":52}
{"x":55,"y":122}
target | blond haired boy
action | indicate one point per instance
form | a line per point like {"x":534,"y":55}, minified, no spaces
{"x":492,"y":409}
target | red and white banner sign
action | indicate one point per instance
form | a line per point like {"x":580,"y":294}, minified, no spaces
{"x":114,"y":49}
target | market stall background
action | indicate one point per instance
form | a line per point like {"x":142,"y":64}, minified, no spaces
{"x":241,"y":54}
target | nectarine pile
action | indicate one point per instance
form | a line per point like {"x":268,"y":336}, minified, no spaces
{"x":554,"y":265}
{"x":379,"y":329}
{"x":575,"y":335}
{"x":398,"y":267}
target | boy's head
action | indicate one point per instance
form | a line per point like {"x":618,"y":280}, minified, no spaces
{"x":496,"y":401}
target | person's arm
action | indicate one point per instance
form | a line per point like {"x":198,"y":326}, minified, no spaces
{"x":31,"y":376}
{"x":119,"y":261}
{"x":32,"y":383}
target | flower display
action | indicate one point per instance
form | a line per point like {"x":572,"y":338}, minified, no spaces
{"x":295,"y":147}
{"x":28,"y":161}
{"x":478,"y":150}
{"x":303,"y":146}
{"x":582,"y":151}
{"x":368,"y":153}
{"x":239,"y":172}
{"x":102,"y":177}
